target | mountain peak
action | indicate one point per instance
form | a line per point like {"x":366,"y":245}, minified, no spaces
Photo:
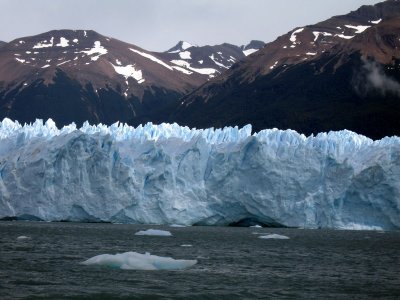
{"x":181,"y":46}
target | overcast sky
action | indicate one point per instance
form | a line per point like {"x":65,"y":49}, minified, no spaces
{"x":159,"y":24}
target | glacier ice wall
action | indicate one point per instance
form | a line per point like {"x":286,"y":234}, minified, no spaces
{"x":168,"y":174}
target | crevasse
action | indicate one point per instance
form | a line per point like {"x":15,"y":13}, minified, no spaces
{"x":169,"y":174}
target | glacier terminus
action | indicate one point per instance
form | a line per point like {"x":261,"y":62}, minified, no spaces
{"x":168,"y":174}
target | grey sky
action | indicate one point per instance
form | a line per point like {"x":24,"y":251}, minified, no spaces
{"x":159,"y":24}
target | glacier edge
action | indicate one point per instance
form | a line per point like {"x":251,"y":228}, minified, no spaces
{"x":169,"y":174}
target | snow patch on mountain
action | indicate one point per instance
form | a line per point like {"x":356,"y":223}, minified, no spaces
{"x":376,"y":21}
{"x":63,"y":42}
{"x":151,"y":57}
{"x":359,"y":28}
{"x":186,"y":45}
{"x":204,"y":71}
{"x":347,"y":37}
{"x":185,"y":55}
{"x":294,"y":33}
{"x":97,"y":49}
{"x":44,"y":44}
{"x":318,"y":33}
{"x":129,"y":71}
{"x":183,"y":70}
{"x":249,"y":51}
{"x":216,"y":62}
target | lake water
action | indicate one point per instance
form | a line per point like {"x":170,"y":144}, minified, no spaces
{"x":233,"y":263}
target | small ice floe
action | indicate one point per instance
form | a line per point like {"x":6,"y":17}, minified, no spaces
{"x":256,"y":226}
{"x":186,"y":245}
{"x":138,"y":261}
{"x":154,"y":232}
{"x":23,"y":237}
{"x":274,"y":236}
{"x":176,"y":225}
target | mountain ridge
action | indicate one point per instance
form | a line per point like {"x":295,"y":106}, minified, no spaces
{"x":285,"y":85}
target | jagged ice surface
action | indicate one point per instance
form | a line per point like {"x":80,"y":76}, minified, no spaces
{"x":168,"y":174}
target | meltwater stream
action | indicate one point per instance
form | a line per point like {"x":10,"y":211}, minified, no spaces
{"x":43,"y":261}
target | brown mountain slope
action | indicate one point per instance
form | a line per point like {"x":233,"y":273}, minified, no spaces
{"x":327,"y":76}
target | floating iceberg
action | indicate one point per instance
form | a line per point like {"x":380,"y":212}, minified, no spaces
{"x":138,"y":261}
{"x":154,"y":232}
{"x":273,"y":236}
{"x":168,"y":174}
{"x":23,"y":237}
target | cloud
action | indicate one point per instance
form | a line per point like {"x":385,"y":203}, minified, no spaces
{"x":373,"y":79}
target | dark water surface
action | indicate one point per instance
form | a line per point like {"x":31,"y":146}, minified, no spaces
{"x":232,"y":263}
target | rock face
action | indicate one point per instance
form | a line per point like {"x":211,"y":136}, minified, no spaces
{"x":342,"y":73}
{"x":168,"y":174}
{"x":74,"y":76}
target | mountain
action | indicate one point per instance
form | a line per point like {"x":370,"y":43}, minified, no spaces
{"x":74,"y":76}
{"x":208,"y":61}
{"x":342,"y":73}
{"x":79,"y":75}
{"x":252,"y":47}
{"x":2,"y":43}
{"x":168,"y":174}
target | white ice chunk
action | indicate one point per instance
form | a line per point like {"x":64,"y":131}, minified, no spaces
{"x":274,"y":236}
{"x":186,"y":245}
{"x":138,"y":261}
{"x":20,"y":60}
{"x":23,"y":237}
{"x":45,"y":66}
{"x":155,"y":232}
{"x":75,"y":41}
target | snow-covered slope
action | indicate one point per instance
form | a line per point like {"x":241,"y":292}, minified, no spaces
{"x":208,"y":61}
{"x":172,"y":174}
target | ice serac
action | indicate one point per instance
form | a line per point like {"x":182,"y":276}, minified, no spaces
{"x":168,"y":174}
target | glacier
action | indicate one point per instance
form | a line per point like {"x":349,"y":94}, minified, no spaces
{"x":170,"y":174}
